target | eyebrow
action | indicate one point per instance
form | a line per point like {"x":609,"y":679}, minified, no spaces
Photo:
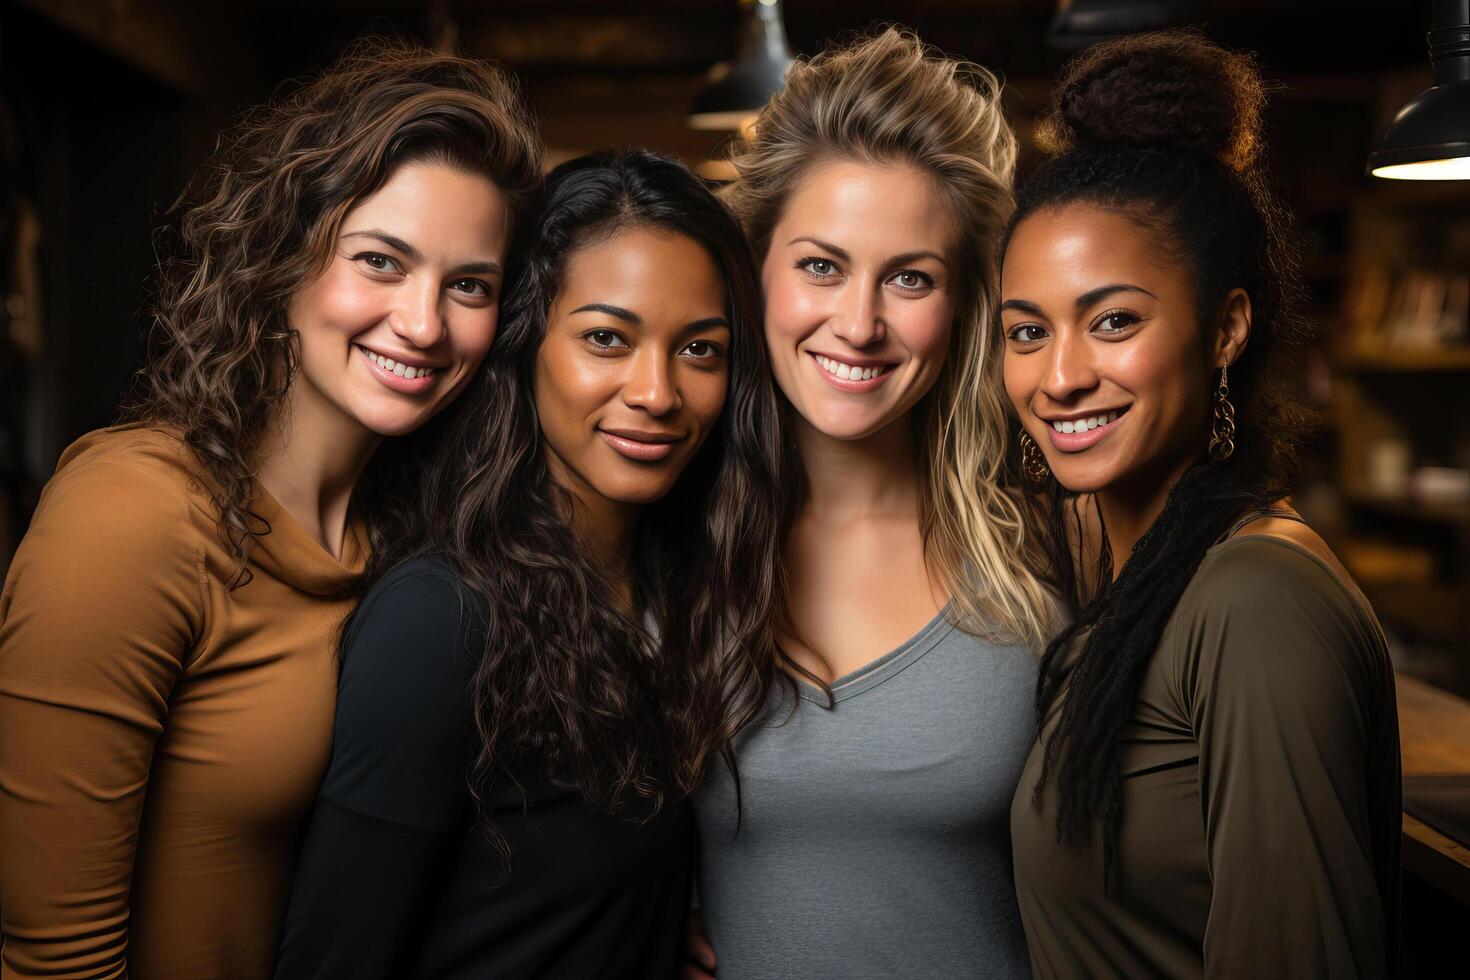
{"x":394,"y":242}
{"x":846,"y":256}
{"x":708,"y":323}
{"x":627,"y":316}
{"x":1083,"y":302}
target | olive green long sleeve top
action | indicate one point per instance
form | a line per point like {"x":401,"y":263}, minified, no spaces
{"x":161,"y":735}
{"x":1261,"y":793}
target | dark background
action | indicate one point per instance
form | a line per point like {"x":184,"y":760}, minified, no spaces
{"x":108,"y":106}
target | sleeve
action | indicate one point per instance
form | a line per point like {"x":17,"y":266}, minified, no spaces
{"x":392,"y":807}
{"x":1284,"y":686}
{"x":103,"y":604}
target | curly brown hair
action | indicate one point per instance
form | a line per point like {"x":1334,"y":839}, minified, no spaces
{"x":259,"y":222}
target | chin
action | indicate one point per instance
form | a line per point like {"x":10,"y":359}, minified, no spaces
{"x":390,"y":425}
{"x":637,"y":495}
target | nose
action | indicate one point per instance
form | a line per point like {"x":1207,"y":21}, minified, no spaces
{"x":419,"y":319}
{"x":1070,"y":370}
{"x":650,"y":383}
{"x":858,"y":319}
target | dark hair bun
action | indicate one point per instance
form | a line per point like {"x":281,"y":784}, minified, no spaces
{"x":1170,"y":89}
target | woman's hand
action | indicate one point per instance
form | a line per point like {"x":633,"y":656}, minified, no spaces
{"x":699,"y":955}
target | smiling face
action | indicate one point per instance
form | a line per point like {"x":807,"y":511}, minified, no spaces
{"x":631,"y":376}
{"x":860,"y":295}
{"x":1106,"y":362}
{"x":405,"y":310}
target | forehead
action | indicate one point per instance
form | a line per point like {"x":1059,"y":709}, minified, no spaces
{"x":1070,"y":250}
{"x":430,"y":203}
{"x":651,"y":271}
{"x":885,"y":208}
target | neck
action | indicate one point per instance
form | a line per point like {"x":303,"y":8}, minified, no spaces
{"x":851,"y":479}
{"x":1129,"y":508}
{"x":602,"y":528}
{"x":310,"y":461}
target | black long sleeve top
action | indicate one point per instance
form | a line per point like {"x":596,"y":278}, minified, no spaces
{"x":397,"y":877}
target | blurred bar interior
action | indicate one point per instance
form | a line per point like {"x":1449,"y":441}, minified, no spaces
{"x":107,"y":106}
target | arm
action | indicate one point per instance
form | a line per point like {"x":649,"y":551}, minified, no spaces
{"x":103,"y":605}
{"x":1288,"y":693}
{"x":391,"y":809}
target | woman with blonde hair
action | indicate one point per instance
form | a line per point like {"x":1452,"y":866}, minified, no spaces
{"x":862,"y":828}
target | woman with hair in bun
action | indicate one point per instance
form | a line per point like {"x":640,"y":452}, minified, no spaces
{"x":862,"y":829}
{"x":168,"y":628}
{"x":1216,"y":787}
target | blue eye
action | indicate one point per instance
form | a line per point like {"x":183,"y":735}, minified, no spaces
{"x":913,"y":280}
{"x":817,"y":267}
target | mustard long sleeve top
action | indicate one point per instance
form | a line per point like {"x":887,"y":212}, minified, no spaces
{"x":161,"y":735}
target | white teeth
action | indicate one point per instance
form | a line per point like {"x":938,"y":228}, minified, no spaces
{"x":847,"y":372}
{"x":1085,"y":425}
{"x":397,"y":367}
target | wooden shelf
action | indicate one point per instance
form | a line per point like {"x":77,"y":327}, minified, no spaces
{"x":1402,"y":360}
{"x":1409,"y":508}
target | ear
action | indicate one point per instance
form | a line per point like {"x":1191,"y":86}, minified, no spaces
{"x":1232,"y":329}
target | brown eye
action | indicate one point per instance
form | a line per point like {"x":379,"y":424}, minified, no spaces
{"x":605,"y":339}
{"x":703,"y":349}
{"x":1027,"y":333}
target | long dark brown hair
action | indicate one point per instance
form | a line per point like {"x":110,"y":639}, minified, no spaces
{"x":570,"y":686}
{"x":1165,"y":129}
{"x":261,"y":220}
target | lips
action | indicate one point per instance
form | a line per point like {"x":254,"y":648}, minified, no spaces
{"x":824,"y":366}
{"x":1076,"y":442}
{"x":639,"y":446}
{"x":396,"y":382}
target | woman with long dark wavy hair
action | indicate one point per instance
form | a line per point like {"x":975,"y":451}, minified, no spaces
{"x":1216,"y":787}
{"x":535,"y":685}
{"x":168,"y":628}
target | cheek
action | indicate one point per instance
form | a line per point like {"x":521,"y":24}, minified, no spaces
{"x":704,"y":397}
{"x":1017,"y":375}
{"x":790,"y":311}
{"x":472,"y":331}
{"x":340,"y":302}
{"x":924,"y":330}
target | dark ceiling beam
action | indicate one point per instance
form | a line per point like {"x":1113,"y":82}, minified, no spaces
{"x":193,"y":48}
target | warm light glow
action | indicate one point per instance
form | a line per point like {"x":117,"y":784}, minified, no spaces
{"x":734,"y":121}
{"x":1450,"y":168}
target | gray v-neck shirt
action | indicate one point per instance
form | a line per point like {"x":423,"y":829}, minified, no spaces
{"x":874,"y":838}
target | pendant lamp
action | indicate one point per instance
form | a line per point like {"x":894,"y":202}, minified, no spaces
{"x":1429,"y":138}
{"x":736,"y":91}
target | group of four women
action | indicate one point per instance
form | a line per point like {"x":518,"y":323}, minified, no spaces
{"x":485,"y":559}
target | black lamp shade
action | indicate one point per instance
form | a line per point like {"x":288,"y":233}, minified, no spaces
{"x":735,"y":92}
{"x":1429,"y":139}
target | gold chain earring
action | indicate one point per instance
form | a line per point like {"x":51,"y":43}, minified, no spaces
{"x":1033,"y":463}
{"x":1222,"y":433}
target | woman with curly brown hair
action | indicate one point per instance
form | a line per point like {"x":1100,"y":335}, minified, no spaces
{"x":1216,"y":787}
{"x":168,"y":628}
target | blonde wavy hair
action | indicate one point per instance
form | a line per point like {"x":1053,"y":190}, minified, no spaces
{"x":887,"y":98}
